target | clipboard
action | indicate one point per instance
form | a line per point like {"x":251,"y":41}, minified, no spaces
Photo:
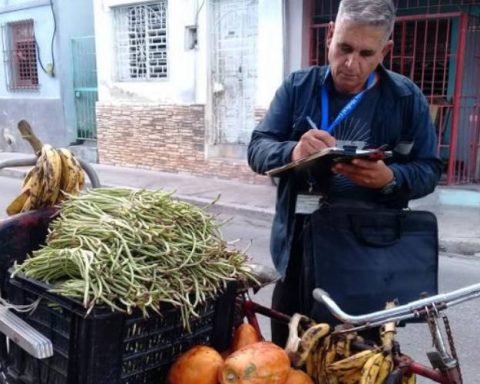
{"x":324,"y":159}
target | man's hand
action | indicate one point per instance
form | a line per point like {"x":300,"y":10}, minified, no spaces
{"x":312,"y":141}
{"x":366,"y":173}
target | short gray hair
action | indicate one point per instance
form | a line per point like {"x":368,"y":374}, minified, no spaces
{"x":376,"y":13}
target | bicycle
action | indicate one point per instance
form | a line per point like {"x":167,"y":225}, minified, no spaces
{"x":445,"y":367}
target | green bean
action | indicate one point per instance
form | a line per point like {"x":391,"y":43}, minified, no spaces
{"x":127,"y":249}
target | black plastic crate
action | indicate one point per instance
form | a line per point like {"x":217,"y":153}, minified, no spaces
{"x":111,"y":347}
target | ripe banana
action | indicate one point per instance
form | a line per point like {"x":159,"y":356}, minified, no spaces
{"x":73,"y":177}
{"x":309,"y":340}
{"x":16,"y":205}
{"x":385,"y":369}
{"x":412,"y":379}
{"x":293,"y":340}
{"x":371,"y":369}
{"x":35,"y":183}
{"x":351,"y":364}
{"x":53,"y":171}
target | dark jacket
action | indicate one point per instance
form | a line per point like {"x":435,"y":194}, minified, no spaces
{"x":402,"y":114}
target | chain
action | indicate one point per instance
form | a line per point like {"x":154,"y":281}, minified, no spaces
{"x":451,"y":343}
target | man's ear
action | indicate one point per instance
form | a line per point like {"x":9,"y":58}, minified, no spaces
{"x":331,"y":28}
{"x":387,"y":48}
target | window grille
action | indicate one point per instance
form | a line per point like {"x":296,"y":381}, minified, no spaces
{"x":141,"y":37}
{"x":20,"y":55}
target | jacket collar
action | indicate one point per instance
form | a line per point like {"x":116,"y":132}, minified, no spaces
{"x":396,"y":81}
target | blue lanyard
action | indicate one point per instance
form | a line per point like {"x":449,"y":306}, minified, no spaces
{"x":347,"y":110}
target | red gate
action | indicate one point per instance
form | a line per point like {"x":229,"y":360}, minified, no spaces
{"x":440,"y":52}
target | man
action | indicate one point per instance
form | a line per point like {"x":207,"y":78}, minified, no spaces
{"x":354,"y":98}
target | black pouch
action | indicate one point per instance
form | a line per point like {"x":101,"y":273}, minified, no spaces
{"x":364,"y":257}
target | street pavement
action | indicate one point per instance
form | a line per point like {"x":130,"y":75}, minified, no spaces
{"x":457,"y":208}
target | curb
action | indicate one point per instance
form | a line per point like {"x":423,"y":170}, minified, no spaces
{"x":229,"y":208}
{"x":462,"y":246}
{"x":458,"y":246}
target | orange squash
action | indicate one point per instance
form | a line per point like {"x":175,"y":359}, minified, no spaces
{"x":244,"y":335}
{"x":258,"y":363}
{"x":198,"y":365}
{"x":296,"y":376}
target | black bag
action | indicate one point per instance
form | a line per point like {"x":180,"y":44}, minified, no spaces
{"x":364,"y":257}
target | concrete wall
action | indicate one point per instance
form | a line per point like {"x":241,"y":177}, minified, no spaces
{"x":44,"y":108}
{"x":186,"y":82}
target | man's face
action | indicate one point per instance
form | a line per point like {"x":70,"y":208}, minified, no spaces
{"x":354,"y":51}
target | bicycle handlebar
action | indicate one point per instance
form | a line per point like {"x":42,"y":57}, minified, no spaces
{"x":92,"y":175}
{"x":402,"y":312}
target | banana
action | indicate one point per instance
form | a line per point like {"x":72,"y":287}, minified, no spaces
{"x":52,"y":171}
{"x":55,"y":170}
{"x":412,"y":379}
{"x":371,"y":368}
{"x":73,"y":177}
{"x":314,"y":360}
{"x":309,"y":340}
{"x":293,"y":340}
{"x":69,"y":170}
{"x":385,"y":369}
{"x":35,"y":183}
{"x":351,"y":363}
{"x":16,"y":205}
{"x":18,"y":202}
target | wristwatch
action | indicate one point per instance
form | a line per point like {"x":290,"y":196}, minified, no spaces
{"x":390,"y":187}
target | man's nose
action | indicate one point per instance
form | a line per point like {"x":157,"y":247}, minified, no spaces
{"x":350,"y":61}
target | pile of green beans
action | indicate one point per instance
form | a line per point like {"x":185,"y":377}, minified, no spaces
{"x":128,"y":249}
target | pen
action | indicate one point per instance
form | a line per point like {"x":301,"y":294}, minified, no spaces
{"x":311,"y":123}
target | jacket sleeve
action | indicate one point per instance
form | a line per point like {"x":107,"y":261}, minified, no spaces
{"x":271,"y":145}
{"x":418,"y":175}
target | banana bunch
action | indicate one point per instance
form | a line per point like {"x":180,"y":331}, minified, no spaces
{"x":56,"y":174}
{"x":376,"y":368}
{"x":334,"y":358}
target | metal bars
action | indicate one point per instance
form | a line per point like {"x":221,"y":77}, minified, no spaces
{"x":440,"y":52}
{"x":141,"y":32}
{"x":85,"y":86}
{"x":326,"y":10}
{"x":20,"y":55}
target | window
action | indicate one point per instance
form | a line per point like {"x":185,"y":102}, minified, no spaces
{"x":141,"y":37}
{"x":20,"y":55}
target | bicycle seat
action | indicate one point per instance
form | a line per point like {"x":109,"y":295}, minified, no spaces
{"x":262,"y":276}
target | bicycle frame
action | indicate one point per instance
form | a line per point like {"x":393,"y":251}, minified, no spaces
{"x":446,"y":369}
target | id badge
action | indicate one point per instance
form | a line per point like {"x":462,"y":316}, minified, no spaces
{"x":307,"y":204}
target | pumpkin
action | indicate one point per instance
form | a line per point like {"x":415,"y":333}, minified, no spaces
{"x":198,"y":365}
{"x":296,"y":376}
{"x":244,"y":335}
{"x":259,"y":363}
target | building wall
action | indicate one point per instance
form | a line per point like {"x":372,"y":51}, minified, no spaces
{"x":186,"y":68}
{"x":169,"y":118}
{"x":43,"y":108}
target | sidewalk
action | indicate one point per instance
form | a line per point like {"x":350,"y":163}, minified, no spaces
{"x":457,"y":208}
